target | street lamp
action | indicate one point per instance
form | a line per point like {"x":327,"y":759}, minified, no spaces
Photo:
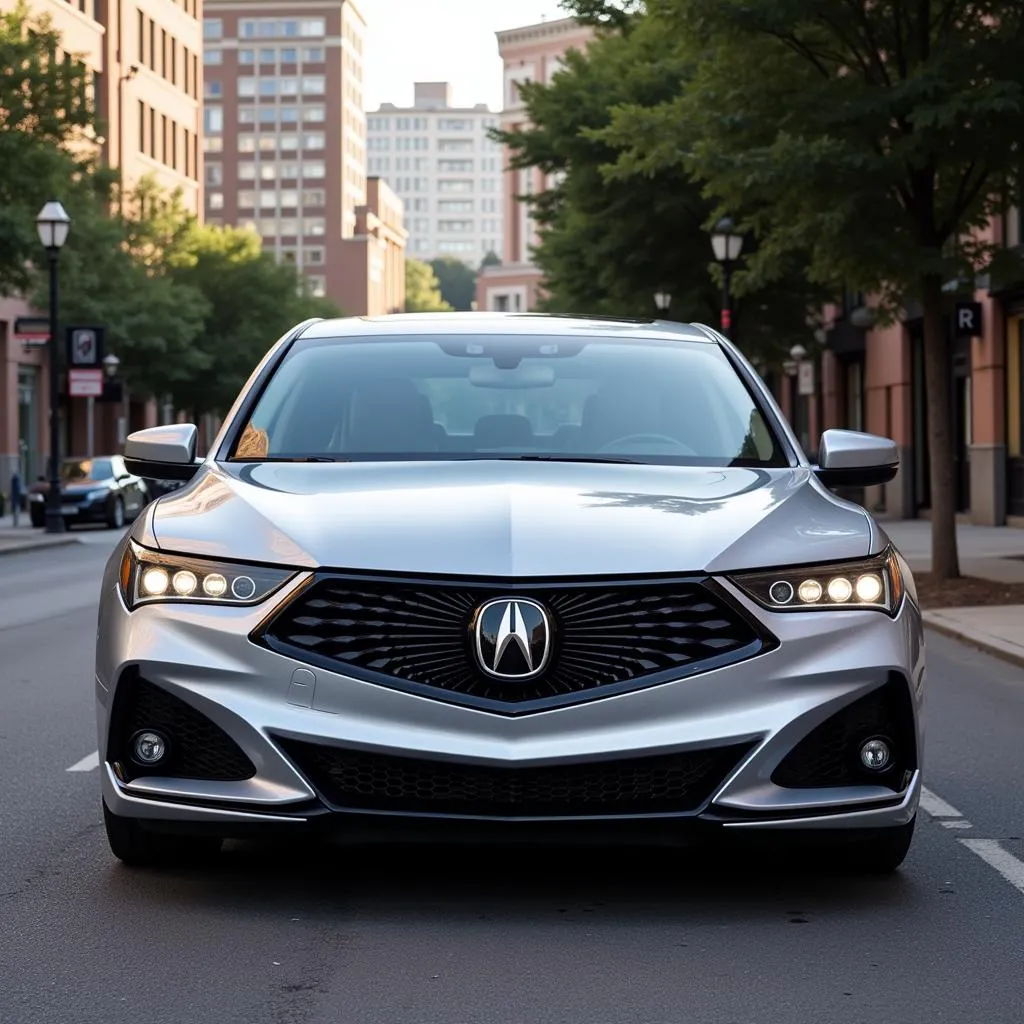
{"x":727,"y":244}
{"x":796,"y":357}
{"x":110,"y":365}
{"x":53,"y":224}
{"x":662,"y":300}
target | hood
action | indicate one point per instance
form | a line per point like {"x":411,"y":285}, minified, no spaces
{"x":508,"y":519}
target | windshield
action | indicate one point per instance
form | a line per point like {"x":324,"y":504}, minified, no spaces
{"x":86,"y":469}
{"x":673,"y":402}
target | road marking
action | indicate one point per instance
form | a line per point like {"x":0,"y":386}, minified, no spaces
{"x":956,"y":823}
{"x":936,"y":806}
{"x":996,"y":857}
{"x":87,"y":764}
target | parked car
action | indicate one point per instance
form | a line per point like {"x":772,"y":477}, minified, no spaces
{"x":520,"y":576}
{"x":96,"y":490}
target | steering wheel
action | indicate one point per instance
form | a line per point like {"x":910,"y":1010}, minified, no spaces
{"x":619,"y":442}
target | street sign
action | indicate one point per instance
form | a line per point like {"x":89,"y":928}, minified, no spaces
{"x":31,"y":330}
{"x":85,"y":347}
{"x":85,"y":383}
{"x":805,"y":378}
{"x":968,"y":319}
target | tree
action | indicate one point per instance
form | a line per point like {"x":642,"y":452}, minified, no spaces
{"x":250,"y":301}
{"x":609,"y":241}
{"x":456,"y":281}
{"x":44,"y":109}
{"x":492,"y":259}
{"x":422,"y":291}
{"x":874,"y":138}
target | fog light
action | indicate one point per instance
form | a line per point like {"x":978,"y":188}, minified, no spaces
{"x":875,"y":754}
{"x":243,"y":587}
{"x":781,"y":592}
{"x":149,"y":747}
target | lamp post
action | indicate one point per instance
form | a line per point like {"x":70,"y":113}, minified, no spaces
{"x":53,"y":224}
{"x":796,"y":357}
{"x":662,"y":300}
{"x":727,"y":244}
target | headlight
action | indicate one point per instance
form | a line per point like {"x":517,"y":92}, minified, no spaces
{"x":149,"y":576}
{"x":872,"y":583}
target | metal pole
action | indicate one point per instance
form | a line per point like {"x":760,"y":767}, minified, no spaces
{"x":54,"y":520}
{"x":90,"y":412}
{"x":726,"y":299}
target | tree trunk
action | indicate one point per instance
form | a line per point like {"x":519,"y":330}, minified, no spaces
{"x":938,"y":379}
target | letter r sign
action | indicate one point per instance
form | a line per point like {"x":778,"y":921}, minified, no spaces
{"x":968,"y":319}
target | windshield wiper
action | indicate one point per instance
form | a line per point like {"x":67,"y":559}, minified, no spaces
{"x":291,"y":458}
{"x":621,"y":459}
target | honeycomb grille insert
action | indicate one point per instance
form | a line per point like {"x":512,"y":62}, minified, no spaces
{"x":666,"y":784}
{"x":604,"y":636}
{"x":197,"y":748}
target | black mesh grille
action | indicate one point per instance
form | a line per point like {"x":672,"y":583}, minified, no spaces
{"x":197,"y":748}
{"x":604,"y":635}
{"x":672,"y":783}
{"x":830,"y":754}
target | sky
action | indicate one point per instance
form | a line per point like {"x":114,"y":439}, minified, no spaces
{"x":441,"y":41}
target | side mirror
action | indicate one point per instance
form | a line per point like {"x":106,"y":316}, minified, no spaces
{"x":162,"y":453}
{"x":848,"y":458}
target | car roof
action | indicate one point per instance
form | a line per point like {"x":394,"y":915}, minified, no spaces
{"x":505,"y":325}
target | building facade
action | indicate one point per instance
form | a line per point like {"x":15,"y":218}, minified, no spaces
{"x":144,"y":60}
{"x":531,"y":54}
{"x":285,"y":133}
{"x":442,"y":163}
{"x":871,"y":377}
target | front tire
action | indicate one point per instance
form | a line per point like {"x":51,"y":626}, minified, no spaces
{"x":880,"y":851}
{"x":133,"y":845}
{"x":116,"y":518}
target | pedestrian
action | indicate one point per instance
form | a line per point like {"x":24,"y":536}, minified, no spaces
{"x":15,"y":496}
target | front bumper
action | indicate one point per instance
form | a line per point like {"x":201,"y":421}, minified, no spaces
{"x":265,"y":702}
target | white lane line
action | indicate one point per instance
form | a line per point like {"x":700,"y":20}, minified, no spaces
{"x":87,"y":764}
{"x":956,"y":823}
{"x":936,"y":806}
{"x":1002,"y":860}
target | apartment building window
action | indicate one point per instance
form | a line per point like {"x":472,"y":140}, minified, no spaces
{"x":313,"y":115}
{"x":267,"y":115}
{"x":455,"y":166}
{"x":287,"y":86}
{"x":215,"y":200}
{"x":313,"y":54}
{"x":314,"y":256}
{"x":213,"y":143}
{"x":378,"y":124}
{"x":421,"y":225}
{"x":214,"y":174}
{"x":142,"y":127}
{"x":313,"y":140}
{"x":268,"y":171}
{"x":450,"y":185}
{"x":313,"y":169}
{"x":164,"y":147}
{"x":489,"y":163}
{"x":313,"y":85}
{"x":174,"y":145}
{"x":213,"y":28}
{"x":289,"y":115}
{"x":314,"y":226}
{"x":246,"y":115}
{"x":246,"y":56}
{"x":213,"y":89}
{"x":152,"y":44}
{"x":267,"y":87}
{"x":287,"y":143}
{"x":163,"y":52}
{"x":455,"y":247}
{"x":377,"y":145}
{"x":246,"y":143}
{"x":195,"y":76}
{"x":489,"y":184}
{"x":454,"y":124}
{"x":455,"y":206}
{"x":421,"y":245}
{"x":489,"y":205}
{"x":314,"y":197}
{"x":317,"y":285}
{"x":289,"y":55}
{"x":246,"y":171}
{"x":288,"y":200}
{"x":213,"y":120}
{"x":455,"y":145}
{"x":191,"y":155}
{"x":455,"y":227}
{"x":185,"y":70}
{"x":174,"y":61}
{"x":273,"y":28}
{"x":142,"y":37}
{"x":212,"y":57}
{"x":246,"y":86}
{"x":152,"y":133}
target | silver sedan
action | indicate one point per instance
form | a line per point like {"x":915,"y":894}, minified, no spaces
{"x":509,"y":577}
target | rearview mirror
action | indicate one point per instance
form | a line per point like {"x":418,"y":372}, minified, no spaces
{"x":848,"y":458}
{"x":163,"y":453}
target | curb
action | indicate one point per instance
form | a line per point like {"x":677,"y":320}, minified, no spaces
{"x":977,"y":641}
{"x":37,"y":545}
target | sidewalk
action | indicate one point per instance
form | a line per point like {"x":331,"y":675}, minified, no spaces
{"x":987,"y":552}
{"x":15,"y":539}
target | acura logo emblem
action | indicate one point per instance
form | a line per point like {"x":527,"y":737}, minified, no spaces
{"x":513,"y":638}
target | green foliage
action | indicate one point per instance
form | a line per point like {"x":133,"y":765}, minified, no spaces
{"x":422,"y":290}
{"x":609,"y":241}
{"x":250,"y":300}
{"x":44,"y":107}
{"x":492,"y":259}
{"x":456,"y":281}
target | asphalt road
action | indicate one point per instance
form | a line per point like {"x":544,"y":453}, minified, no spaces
{"x":526,"y":936}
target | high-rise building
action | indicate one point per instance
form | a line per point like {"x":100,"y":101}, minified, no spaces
{"x":531,"y":54}
{"x":145,"y":66}
{"x":447,"y":170}
{"x":285,"y":133}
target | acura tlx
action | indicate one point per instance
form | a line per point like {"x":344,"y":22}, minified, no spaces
{"x":513,"y":576}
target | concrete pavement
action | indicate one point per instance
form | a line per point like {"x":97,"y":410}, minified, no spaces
{"x":23,"y":537}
